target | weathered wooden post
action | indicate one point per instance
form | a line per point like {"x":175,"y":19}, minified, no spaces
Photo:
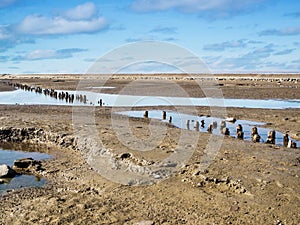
{"x":271,"y":137}
{"x":225,"y":131}
{"x":255,"y":135}
{"x":253,"y":130}
{"x":256,"y":138}
{"x":222,"y":125}
{"x":164,"y":117}
{"x":239,"y":132}
{"x":188,"y":124}
{"x":146,"y":114}
{"x":196,"y":126}
{"x":202,"y":123}
{"x":285,"y":140}
{"x":240,"y":135}
{"x":239,"y":128}
{"x":292,"y":144}
{"x":210,"y":128}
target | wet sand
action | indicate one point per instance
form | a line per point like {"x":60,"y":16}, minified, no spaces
{"x":247,"y":183}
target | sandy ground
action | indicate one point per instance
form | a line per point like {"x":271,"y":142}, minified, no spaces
{"x":247,"y":183}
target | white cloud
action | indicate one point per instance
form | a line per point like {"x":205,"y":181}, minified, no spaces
{"x":41,"y":54}
{"x":84,"y":11}
{"x":223,"y":7}
{"x":40,"y":25}
{"x":164,"y":30}
{"x":285,"y":52}
{"x":226,"y":45}
{"x":289,"y":31}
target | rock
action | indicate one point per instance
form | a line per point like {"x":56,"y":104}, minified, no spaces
{"x":125,"y":155}
{"x":6,"y":171}
{"x":1,"y":181}
{"x":145,"y":222}
{"x":28,"y":164}
{"x":23,"y":163}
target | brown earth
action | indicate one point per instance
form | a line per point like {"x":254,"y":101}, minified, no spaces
{"x":247,"y":183}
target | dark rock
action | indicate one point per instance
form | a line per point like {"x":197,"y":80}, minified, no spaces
{"x":125,"y":155}
{"x":24,"y":163}
{"x":6,"y":171}
{"x":28,"y":164}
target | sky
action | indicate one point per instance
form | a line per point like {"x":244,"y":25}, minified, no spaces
{"x":230,"y":36}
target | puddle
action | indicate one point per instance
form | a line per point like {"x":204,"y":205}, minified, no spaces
{"x":21,"y":181}
{"x":23,"y":97}
{"x":180,"y":120}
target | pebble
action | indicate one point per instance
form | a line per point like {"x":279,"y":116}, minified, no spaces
{"x":145,"y":222}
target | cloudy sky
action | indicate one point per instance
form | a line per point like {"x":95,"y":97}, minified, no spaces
{"x":52,"y":36}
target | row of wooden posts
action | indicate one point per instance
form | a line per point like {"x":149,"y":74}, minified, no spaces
{"x":63,"y":95}
{"x":239,"y":131}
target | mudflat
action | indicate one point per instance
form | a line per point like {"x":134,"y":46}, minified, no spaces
{"x":246,"y":183}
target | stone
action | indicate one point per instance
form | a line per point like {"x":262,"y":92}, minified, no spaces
{"x":24,"y":163}
{"x":145,"y":222}
{"x":27,"y":164}
{"x":6,"y":171}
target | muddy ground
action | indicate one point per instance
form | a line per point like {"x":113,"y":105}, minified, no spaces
{"x":246,"y":183}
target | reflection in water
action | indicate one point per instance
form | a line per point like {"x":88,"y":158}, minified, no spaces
{"x":23,"y":97}
{"x":20,"y":181}
{"x":241,"y":129}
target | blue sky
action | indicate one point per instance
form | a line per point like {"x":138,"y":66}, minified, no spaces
{"x":228,"y":35}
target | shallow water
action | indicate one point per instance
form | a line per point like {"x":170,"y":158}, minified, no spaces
{"x":179,"y":120}
{"x":22,"y":97}
{"x":21,"y":181}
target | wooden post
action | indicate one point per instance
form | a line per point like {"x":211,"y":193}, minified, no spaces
{"x":292,"y":144}
{"x":255,"y":135}
{"x":222,"y":125}
{"x":271,"y":137}
{"x":197,"y":125}
{"x":253,"y":130}
{"x":285,"y":140}
{"x":188,"y":124}
{"x":239,"y":128}
{"x":225,"y":131}
{"x":202,"y":123}
{"x":164,"y":117}
{"x":256,"y":138}
{"x":210,"y":128}
{"x":240,"y":135}
{"x":146,"y":114}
